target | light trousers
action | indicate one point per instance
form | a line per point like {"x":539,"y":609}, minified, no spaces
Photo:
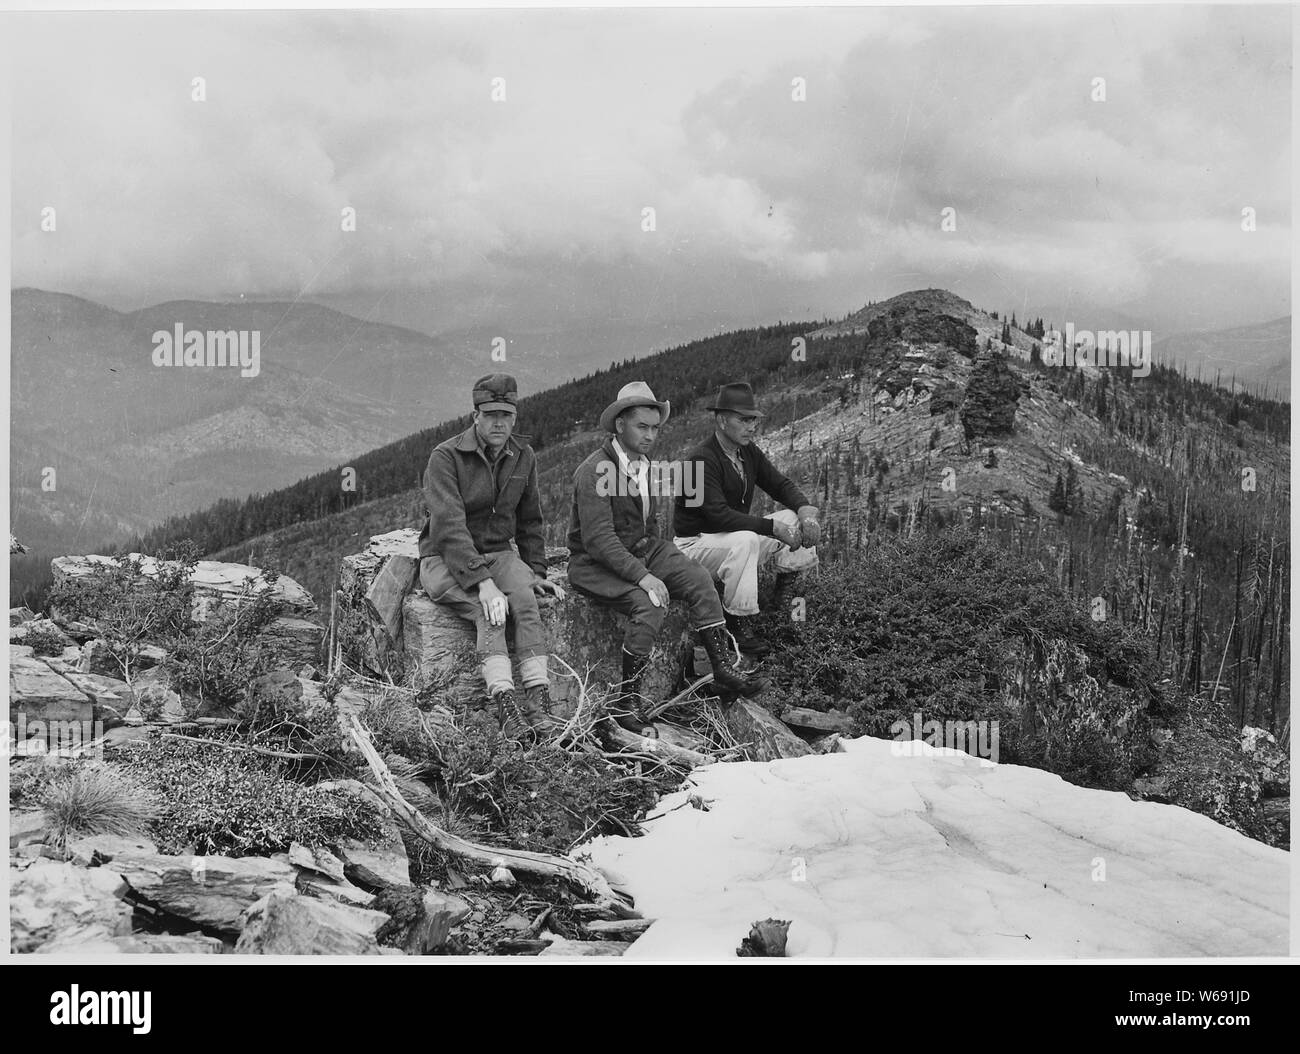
{"x":736,"y":556}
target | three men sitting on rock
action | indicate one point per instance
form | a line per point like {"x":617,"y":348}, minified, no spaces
{"x":719,"y":531}
{"x":618,"y":559}
{"x":481,"y":489}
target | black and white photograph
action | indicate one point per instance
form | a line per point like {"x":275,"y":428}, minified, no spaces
{"x":650,"y":485}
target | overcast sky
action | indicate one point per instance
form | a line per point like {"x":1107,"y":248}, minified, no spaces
{"x":528,"y":212}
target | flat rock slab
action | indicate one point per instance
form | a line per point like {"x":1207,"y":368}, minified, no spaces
{"x":40,"y":694}
{"x":57,"y":903}
{"x":214,"y":581}
{"x":213,"y":891}
{"x":285,"y":922}
{"x":877,"y":852}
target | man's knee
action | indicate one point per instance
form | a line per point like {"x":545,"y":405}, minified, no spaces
{"x":642,"y":612}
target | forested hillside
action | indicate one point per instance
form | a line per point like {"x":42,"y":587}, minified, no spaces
{"x":1164,"y":497}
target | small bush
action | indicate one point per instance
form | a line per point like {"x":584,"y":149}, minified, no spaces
{"x":44,"y":641}
{"x":213,"y":661}
{"x":239,"y":803}
{"x":128,"y":607}
{"x":91,"y":799}
{"x":29,"y":780}
{"x":542,"y":799}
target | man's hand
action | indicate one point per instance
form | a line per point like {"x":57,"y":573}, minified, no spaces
{"x":657,"y":590}
{"x":544,"y":587}
{"x":495,"y":604}
{"x":809,"y":529}
{"x":787,"y":534}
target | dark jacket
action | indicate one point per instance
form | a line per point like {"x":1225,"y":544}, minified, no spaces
{"x":726,"y":505}
{"x":608,"y":528}
{"x":477,"y":508}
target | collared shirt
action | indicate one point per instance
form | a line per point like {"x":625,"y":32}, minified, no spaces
{"x":638,"y":474}
{"x":733,"y":455}
{"x":502,"y":458}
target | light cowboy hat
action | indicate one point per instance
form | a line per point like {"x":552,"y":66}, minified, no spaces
{"x":637,"y":393}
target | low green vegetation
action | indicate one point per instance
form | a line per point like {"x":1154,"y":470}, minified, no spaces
{"x":952,"y":627}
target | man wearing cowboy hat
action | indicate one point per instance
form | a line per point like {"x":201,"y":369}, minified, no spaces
{"x":481,"y":490}
{"x":618,"y":559}
{"x":719,"y":532}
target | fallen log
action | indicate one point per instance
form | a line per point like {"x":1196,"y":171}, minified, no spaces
{"x":828,"y":721}
{"x":618,"y":929}
{"x":626,"y":740}
{"x":586,"y":878}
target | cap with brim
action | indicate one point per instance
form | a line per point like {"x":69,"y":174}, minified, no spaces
{"x":496,"y":391}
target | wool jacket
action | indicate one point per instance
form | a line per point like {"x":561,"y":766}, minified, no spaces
{"x":476,"y":507}
{"x":608,"y":528}
{"x":726,"y":503}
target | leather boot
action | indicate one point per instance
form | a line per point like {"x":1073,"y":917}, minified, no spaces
{"x":785,"y":590}
{"x":725,"y":678}
{"x":511,"y":719}
{"x":627,"y":708}
{"x":745,"y":640}
{"x":535,"y":709}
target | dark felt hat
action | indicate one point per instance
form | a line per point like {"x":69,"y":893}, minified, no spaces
{"x":737,"y":397}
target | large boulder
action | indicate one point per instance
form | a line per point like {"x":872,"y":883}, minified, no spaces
{"x":408,"y":636}
{"x":53,"y":902}
{"x":215,"y":583}
{"x":37,"y":693}
{"x":213,"y":891}
{"x":1272,"y":763}
{"x":294,"y":641}
{"x":989,"y":407}
{"x":284,"y":922}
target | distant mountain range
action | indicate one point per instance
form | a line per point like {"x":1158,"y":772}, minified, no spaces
{"x":130,"y":443}
{"x":1249,"y":357}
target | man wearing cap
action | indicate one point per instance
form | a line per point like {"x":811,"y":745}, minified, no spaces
{"x":481,"y":490}
{"x":618,"y":559}
{"x":717,"y":529}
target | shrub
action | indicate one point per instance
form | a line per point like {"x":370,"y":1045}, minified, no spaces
{"x":935,"y":624}
{"x":29,"y":780}
{"x":218,"y":800}
{"x":214,"y":660}
{"x":128,"y":607}
{"x":44,"y":641}
{"x":542,"y":799}
{"x":90,"y":798}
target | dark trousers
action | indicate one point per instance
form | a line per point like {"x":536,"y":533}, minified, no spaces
{"x":515,"y":579}
{"x":686,"y":580}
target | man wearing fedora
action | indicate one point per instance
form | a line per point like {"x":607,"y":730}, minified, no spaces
{"x":718,"y":530}
{"x":618,"y":559}
{"x":481,"y":490}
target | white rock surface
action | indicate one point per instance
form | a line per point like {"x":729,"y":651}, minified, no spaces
{"x":941,"y":855}
{"x":215,"y":582}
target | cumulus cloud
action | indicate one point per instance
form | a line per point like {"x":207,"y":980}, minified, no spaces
{"x":761,"y":202}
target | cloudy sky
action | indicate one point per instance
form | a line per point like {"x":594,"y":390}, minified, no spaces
{"x":528,"y":212}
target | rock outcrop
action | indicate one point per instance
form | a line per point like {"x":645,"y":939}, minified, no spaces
{"x":392,"y":627}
